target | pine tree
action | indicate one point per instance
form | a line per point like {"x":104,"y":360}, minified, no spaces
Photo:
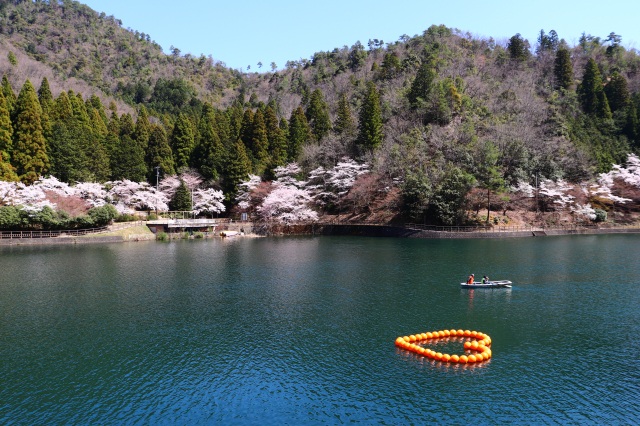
{"x":299,"y":133}
{"x":370,"y":125}
{"x":318,"y":115}
{"x":182,"y":142}
{"x":563,"y":69}
{"x":29,"y":147}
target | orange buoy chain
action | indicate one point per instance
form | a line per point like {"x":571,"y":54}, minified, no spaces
{"x":480,"y":345}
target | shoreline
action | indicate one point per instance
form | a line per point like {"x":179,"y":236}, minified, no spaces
{"x":330,"y":230}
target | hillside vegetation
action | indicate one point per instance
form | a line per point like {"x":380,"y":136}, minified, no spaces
{"x":445,"y":122}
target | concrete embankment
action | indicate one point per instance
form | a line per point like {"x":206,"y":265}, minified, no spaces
{"x":401,"y":232}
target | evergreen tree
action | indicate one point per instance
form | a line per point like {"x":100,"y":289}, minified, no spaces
{"x":94,"y":103}
{"x":345,"y":123}
{"x":142,"y":129}
{"x":45,"y":97}
{"x":299,"y":133}
{"x":159,"y":153}
{"x":112,"y":139}
{"x":9,"y":94}
{"x":422,"y":84}
{"x":370,"y":124}
{"x":7,"y":171}
{"x":223,"y":128}
{"x":246,"y":128}
{"x":79,"y":108}
{"x":318,"y":115}
{"x":518,"y":48}
{"x":563,"y":69}
{"x":259,"y":144}
{"x":235,"y":117}
{"x":181,"y":200}
{"x":73,"y":152}
{"x":98,"y":165}
{"x":61,"y":109}
{"x":126,"y":126}
{"x":488,"y":172}
{"x":29,"y":147}
{"x":617,"y":92}
{"x":128,"y":161}
{"x":6,"y":130}
{"x":182,"y":142}
{"x":208,"y":153}
{"x":447,"y":204}
{"x":237,"y":169}
{"x":276,"y":138}
{"x":591,"y":92}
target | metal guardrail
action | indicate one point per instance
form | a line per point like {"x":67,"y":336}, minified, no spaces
{"x":50,"y":234}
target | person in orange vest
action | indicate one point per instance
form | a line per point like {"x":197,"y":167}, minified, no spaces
{"x":470,"y":279}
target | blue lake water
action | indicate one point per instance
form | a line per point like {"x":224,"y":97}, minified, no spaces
{"x":301,"y":331}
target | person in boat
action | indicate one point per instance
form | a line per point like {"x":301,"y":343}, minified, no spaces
{"x":470,"y":279}
{"x":485,"y":280}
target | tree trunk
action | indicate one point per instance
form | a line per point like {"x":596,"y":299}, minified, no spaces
{"x":488,"y":204}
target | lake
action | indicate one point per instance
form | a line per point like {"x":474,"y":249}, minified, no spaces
{"x":301,"y":330}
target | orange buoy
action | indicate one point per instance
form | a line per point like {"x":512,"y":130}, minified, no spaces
{"x":478,"y":342}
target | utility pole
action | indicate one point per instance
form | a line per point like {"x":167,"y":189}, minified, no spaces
{"x":157,"y":180}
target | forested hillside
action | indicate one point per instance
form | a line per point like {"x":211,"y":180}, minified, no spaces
{"x":442,"y":121}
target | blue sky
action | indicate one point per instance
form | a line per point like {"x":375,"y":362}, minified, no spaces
{"x":243,"y":33}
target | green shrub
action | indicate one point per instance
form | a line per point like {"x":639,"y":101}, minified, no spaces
{"x":103,"y":215}
{"x":601,"y":215}
{"x":10,"y":217}
{"x":162,"y":236}
{"x":198,"y":235}
{"x":125,"y":217}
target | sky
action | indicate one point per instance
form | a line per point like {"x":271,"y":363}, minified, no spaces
{"x":243,"y":33}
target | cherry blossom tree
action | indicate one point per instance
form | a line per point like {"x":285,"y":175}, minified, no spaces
{"x":208,"y":201}
{"x":328,"y":186}
{"x":245,"y":188}
{"x":287,"y":205}
{"x":556,"y":192}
